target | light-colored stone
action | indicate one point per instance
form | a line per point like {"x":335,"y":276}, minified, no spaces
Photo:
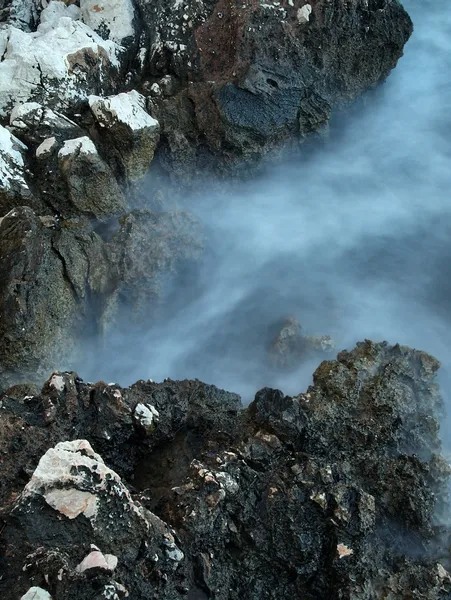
{"x":46,"y":63}
{"x":62,"y":478}
{"x":11,"y":162}
{"x":304,"y":13}
{"x":126,"y":109}
{"x":95,"y":559}
{"x":36,"y":593}
{"x":145,"y":416}
{"x":109,"y":18}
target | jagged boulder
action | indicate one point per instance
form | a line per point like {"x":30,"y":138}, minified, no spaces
{"x":290,"y":345}
{"x":61,"y":282}
{"x":129,"y":132}
{"x":92,"y":189}
{"x":35,"y":123}
{"x":73,"y":489}
{"x":37,"y":305}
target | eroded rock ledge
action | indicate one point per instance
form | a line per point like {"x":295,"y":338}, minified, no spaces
{"x":173,"y":490}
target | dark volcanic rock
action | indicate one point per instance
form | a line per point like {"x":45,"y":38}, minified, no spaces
{"x":240,"y":77}
{"x":330,"y":494}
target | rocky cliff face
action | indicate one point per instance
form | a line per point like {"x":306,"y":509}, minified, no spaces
{"x":335,"y":493}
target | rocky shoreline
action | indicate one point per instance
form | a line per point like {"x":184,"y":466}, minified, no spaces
{"x":109,"y":110}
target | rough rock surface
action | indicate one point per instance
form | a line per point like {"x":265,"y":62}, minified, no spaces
{"x":236,"y":78}
{"x":335,"y":493}
{"x":130,"y":133}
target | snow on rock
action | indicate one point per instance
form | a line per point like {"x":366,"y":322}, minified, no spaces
{"x":126,"y":108}
{"x":61,"y":62}
{"x":112,"y":19}
{"x":36,"y":593}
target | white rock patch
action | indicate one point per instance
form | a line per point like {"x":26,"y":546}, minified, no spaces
{"x":62,"y":478}
{"x":42,"y":63}
{"x":95,"y":559}
{"x":46,"y":147}
{"x":112,"y":16}
{"x":146,"y":415}
{"x":11,"y":161}
{"x":36,"y":593}
{"x":82,"y":145}
{"x":304,"y":13}
{"x":57,"y":382}
{"x":126,"y":108}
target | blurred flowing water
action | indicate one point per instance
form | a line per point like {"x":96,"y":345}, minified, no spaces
{"x":354,"y":239}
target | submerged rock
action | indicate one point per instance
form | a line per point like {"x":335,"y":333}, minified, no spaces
{"x":334,"y":493}
{"x":291,"y":345}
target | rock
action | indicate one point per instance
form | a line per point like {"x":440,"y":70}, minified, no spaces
{"x":36,"y":593}
{"x":32,"y":279}
{"x":146,"y":416}
{"x":91,"y":284}
{"x":129,"y":131}
{"x":92,"y":189}
{"x":111,"y":19}
{"x":71,"y":484}
{"x":57,"y":65}
{"x":35,"y":124}
{"x":299,"y":496}
{"x":245,"y":77}
{"x":14,"y":189}
{"x":291,"y":346}
{"x":96,"y":560}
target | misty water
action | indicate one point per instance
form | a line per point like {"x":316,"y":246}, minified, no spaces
{"x":353,"y":238}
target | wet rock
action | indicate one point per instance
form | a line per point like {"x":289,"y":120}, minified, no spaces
{"x":129,"y":132}
{"x":291,"y":346}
